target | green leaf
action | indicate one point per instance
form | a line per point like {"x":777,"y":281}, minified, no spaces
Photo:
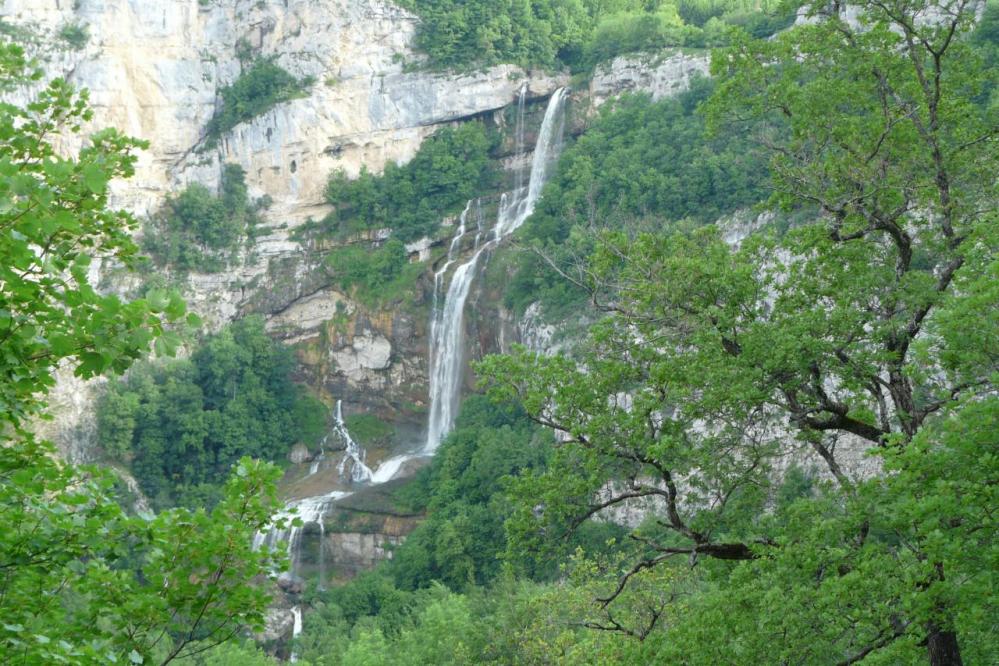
{"x":95,"y":178}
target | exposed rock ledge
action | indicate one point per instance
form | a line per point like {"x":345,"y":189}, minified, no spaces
{"x":660,"y":75}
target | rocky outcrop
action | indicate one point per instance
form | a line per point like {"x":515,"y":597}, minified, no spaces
{"x":659,"y":74}
{"x":353,"y":552}
{"x":154,"y":67}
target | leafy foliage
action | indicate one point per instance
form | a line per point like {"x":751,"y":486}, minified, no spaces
{"x":459,"y":542}
{"x":84,"y":583}
{"x":198,"y":231}
{"x":448,"y":170}
{"x":715,"y":362}
{"x":578,"y":33}
{"x":181,"y":425}
{"x":259,"y":88}
{"x":54,"y":222}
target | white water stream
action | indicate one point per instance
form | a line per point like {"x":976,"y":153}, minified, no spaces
{"x":447,"y":326}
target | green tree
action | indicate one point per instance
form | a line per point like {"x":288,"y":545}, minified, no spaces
{"x":199,"y":231}
{"x":181,"y":425}
{"x":873,"y":326}
{"x":259,"y":88}
{"x":80,"y":581}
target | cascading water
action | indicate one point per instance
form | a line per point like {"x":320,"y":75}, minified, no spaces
{"x":353,"y":455}
{"x":447,"y":323}
{"x":446,"y":348}
{"x":308,"y":510}
{"x":296,"y":629}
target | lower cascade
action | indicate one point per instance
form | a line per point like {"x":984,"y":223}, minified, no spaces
{"x":353,"y":455}
{"x":296,"y":629}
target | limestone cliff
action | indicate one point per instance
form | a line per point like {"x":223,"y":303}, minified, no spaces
{"x":154,"y":68}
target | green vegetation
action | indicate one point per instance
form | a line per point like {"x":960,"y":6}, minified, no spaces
{"x":370,"y":430}
{"x":860,"y":340}
{"x":640,"y":164}
{"x":578,"y":33}
{"x":84,"y":583}
{"x":198,"y":231}
{"x":75,"y":34}
{"x":181,"y":425}
{"x":259,"y":88}
{"x":375,"y":275}
{"x":872,"y":328}
{"x":449,"y":169}
{"x":461,"y":544}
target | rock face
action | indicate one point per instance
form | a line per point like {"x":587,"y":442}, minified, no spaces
{"x":154,"y":68}
{"x":352,"y":552}
{"x":660,"y":75}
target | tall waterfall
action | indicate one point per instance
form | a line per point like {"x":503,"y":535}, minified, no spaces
{"x":448,"y":318}
{"x":446,"y":332}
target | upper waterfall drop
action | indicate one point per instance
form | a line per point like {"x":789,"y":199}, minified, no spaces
{"x":448,"y":317}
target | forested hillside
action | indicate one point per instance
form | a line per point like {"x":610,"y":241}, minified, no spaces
{"x":701,"y":370}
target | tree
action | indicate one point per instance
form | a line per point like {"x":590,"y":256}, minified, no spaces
{"x":871,"y":329}
{"x":80,"y":581}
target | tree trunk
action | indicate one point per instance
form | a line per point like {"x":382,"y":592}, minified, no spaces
{"x":942,"y":647}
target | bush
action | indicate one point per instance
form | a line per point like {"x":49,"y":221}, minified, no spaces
{"x":197,"y":230}
{"x":181,"y":425}
{"x":257,"y":90}
{"x":374,"y":275}
{"x":449,"y":169}
{"x":75,"y":34}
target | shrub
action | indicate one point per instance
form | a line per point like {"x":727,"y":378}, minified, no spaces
{"x":75,"y":34}
{"x":375,"y":275}
{"x":197,"y":230}
{"x":260,"y":87}
{"x":448,"y":170}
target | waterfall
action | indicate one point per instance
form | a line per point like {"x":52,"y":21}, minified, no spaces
{"x":446,"y":343}
{"x":353,"y":455}
{"x":447,"y":320}
{"x":296,"y":629}
{"x":308,"y":510}
{"x":315,"y":464}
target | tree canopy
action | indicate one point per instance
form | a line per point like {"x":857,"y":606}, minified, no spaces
{"x":865,"y":336}
{"x":80,"y":580}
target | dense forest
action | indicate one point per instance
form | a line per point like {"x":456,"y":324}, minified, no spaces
{"x":768,"y":437}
